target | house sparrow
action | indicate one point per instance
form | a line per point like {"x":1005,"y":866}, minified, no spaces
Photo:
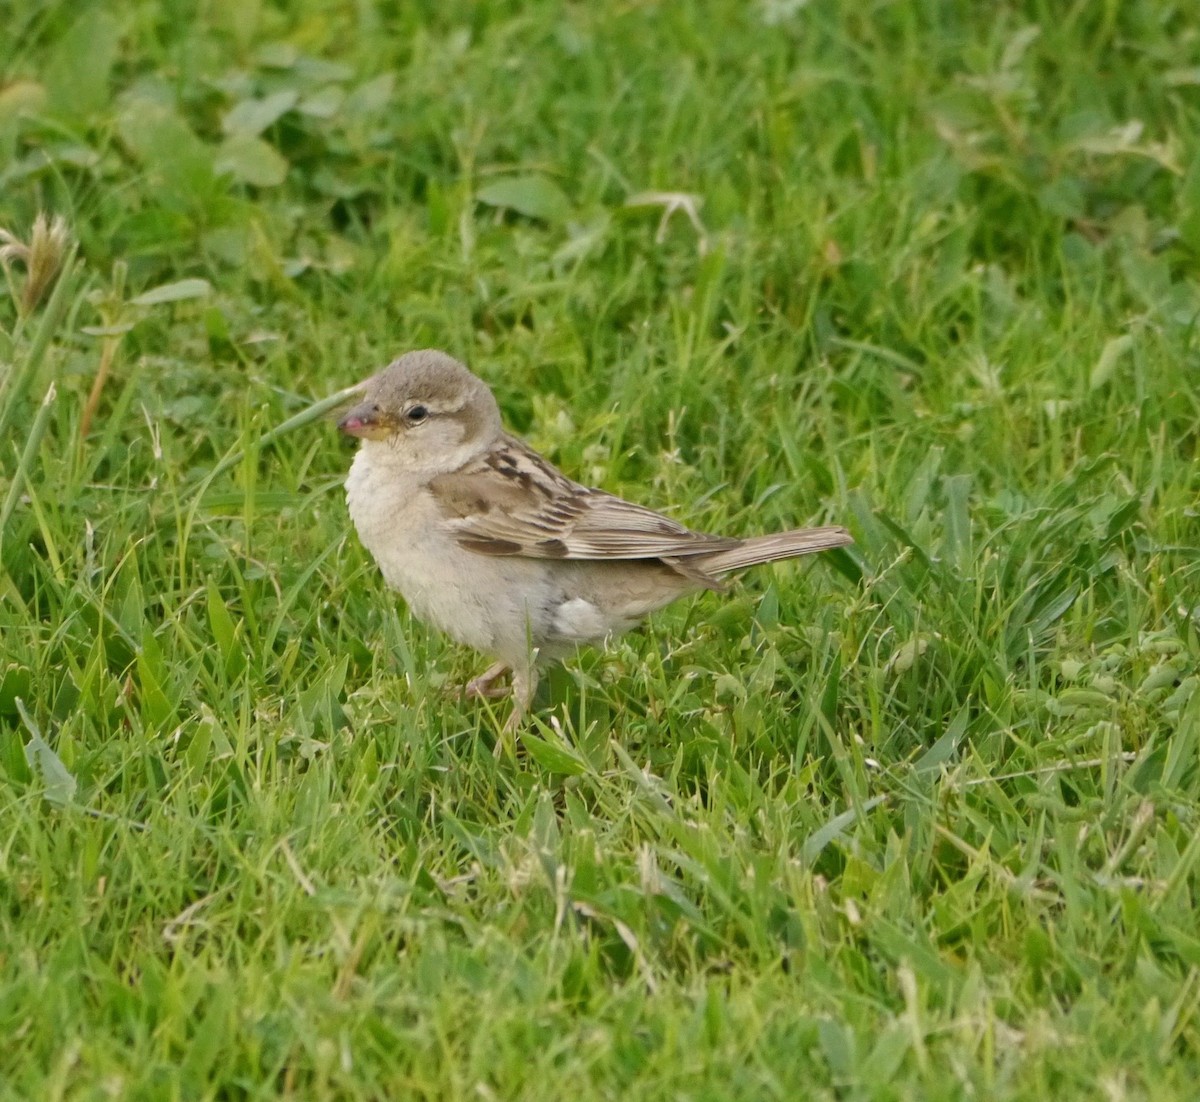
{"x":490,"y":543}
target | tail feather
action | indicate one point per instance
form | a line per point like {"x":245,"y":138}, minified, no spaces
{"x":780,"y":545}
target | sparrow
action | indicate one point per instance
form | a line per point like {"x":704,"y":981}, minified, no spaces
{"x":490,"y":543}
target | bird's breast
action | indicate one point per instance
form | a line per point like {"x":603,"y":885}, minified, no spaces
{"x":472,"y":599}
{"x":396,"y":519}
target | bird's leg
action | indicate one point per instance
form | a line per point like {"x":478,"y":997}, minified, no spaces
{"x":524,"y":685}
{"x":484,"y":686}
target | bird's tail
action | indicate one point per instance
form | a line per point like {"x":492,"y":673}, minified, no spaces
{"x":781,"y":545}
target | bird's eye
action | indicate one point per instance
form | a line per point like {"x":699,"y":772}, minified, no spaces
{"x":417,"y":414}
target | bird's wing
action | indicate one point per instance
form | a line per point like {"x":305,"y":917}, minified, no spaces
{"x":510,"y":501}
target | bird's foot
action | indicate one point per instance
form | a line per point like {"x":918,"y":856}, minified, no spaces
{"x":515,"y":720}
{"x":484,"y":686}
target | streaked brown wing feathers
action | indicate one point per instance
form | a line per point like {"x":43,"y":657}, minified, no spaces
{"x":512,"y":502}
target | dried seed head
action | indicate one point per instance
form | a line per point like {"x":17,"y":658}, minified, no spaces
{"x":42,"y":257}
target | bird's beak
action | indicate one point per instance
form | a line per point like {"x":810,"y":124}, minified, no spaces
{"x":363,"y":421}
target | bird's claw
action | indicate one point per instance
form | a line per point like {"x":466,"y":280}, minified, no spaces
{"x":484,"y":686}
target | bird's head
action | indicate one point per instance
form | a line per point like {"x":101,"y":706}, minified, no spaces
{"x":427,"y":408}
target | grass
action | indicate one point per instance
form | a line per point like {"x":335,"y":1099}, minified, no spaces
{"x":918,"y":820}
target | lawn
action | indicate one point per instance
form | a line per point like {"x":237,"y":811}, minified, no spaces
{"x":918,"y":820}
